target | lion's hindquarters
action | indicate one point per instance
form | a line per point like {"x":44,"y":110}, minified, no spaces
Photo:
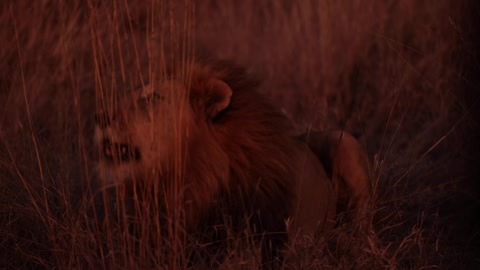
{"x":347,"y":164}
{"x":314,"y":206}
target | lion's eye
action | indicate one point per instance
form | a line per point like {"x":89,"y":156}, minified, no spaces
{"x":152,"y":98}
{"x":143,"y":101}
{"x":126,"y":153}
{"x":119,"y":151}
{"x":156,"y":96}
{"x":107,"y":149}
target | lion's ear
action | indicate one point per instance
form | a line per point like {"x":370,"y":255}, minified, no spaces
{"x":218,"y":97}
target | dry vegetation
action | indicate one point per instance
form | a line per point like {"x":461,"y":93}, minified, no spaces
{"x":396,"y":73}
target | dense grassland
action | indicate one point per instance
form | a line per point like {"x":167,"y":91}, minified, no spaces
{"x":399,"y":74}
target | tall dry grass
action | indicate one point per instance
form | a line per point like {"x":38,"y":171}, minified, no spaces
{"x":393,"y":72}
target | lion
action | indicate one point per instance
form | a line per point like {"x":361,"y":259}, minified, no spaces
{"x":220,"y":151}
